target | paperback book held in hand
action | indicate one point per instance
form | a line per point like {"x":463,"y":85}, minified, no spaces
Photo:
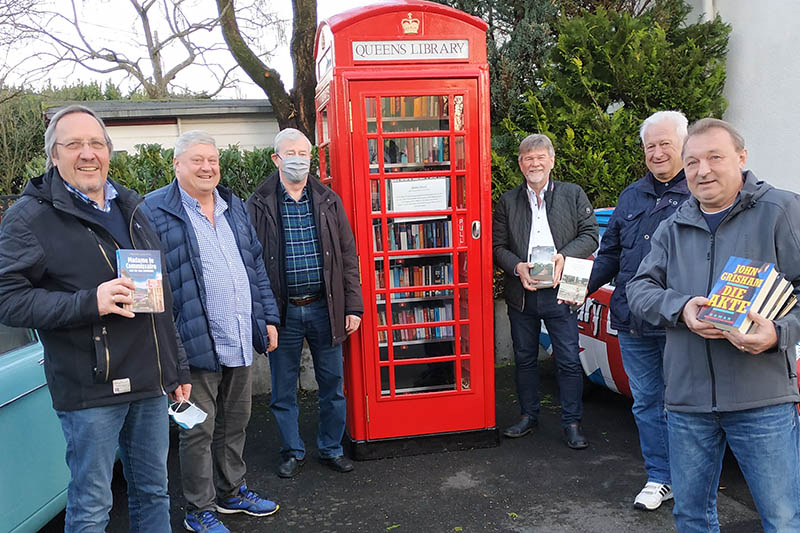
{"x":744,"y":285}
{"x":540,"y":261}
{"x":574,"y":280}
{"x":144,"y":268}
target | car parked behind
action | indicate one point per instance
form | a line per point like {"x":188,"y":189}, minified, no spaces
{"x":33,"y":487}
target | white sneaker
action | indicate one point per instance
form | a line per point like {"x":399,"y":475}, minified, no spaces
{"x":652,"y":496}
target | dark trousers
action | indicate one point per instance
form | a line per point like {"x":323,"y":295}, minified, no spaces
{"x":562,"y":326}
{"x":212,"y":465}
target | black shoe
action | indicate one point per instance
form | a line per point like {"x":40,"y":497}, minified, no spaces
{"x":290,"y":467}
{"x":521,"y":428}
{"x":340,"y":463}
{"x":575,"y":438}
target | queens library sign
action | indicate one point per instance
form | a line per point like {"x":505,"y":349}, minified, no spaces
{"x":437,"y":49}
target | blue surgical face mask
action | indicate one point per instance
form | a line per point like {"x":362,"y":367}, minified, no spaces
{"x":186,"y":414}
{"x":295,"y":168}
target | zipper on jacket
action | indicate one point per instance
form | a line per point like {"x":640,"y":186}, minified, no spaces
{"x":108,"y":353}
{"x":708,"y":343}
{"x":104,"y":331}
{"x":103,"y":250}
{"x":152,"y":318}
{"x":158,"y":354}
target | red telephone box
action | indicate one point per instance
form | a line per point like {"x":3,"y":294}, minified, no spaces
{"x":403,"y":129}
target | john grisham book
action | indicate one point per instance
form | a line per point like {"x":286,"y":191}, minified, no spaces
{"x":742,"y":285}
{"x":144,"y":268}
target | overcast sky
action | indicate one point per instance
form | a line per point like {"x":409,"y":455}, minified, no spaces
{"x":112,"y":23}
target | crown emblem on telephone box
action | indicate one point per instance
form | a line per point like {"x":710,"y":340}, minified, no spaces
{"x":410,"y":25}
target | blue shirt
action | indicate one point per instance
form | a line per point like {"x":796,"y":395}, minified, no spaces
{"x":715,"y":219}
{"x":228,"y":298}
{"x":109,"y":216}
{"x":108,"y":189}
{"x":303,"y":252}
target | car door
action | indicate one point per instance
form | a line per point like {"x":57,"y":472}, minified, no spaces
{"x":33,"y":484}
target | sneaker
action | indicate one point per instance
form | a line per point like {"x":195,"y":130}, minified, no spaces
{"x":205,"y":522}
{"x":247,"y":502}
{"x":652,"y":496}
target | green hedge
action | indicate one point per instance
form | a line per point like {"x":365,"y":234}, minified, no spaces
{"x":608,"y":72}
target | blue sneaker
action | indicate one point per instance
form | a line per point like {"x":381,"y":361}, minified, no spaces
{"x":247,"y":502}
{"x":204,"y":522}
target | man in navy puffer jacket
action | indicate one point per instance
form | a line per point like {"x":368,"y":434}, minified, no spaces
{"x":223,"y":307}
{"x":640,"y":209}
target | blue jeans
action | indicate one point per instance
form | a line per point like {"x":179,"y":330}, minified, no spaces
{"x":766,"y":443}
{"x":141,"y":429}
{"x":562,"y":325}
{"x":310,"y":322}
{"x":643,"y":359}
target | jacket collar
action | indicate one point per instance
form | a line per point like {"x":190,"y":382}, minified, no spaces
{"x":752,"y":190}
{"x":678,"y":184}
{"x":173,"y":203}
{"x":548,"y":191}
{"x":49,"y":187}
{"x":267,"y":193}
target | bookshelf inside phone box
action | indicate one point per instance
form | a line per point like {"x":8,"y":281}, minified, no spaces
{"x":403,"y":129}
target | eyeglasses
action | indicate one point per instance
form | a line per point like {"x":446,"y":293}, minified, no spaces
{"x":74,"y":146}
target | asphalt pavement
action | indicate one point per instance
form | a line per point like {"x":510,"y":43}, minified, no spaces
{"x":531,"y":484}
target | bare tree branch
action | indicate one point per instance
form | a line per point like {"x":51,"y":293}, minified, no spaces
{"x":297,"y":109}
{"x":170,"y":34}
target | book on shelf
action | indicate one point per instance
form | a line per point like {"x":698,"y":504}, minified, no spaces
{"x":574,"y":280}
{"x":743,"y":285}
{"x":540,"y":262}
{"x":435,"y":233}
{"x":143,"y":267}
{"x":375,"y":195}
{"x":377,"y":236}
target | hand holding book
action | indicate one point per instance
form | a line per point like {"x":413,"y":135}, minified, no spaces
{"x":740,"y":307}
{"x":759,"y":338}
{"x":113,"y":292}
{"x":699,"y":327}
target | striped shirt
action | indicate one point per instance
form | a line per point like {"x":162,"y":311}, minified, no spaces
{"x":228,"y":298}
{"x":109,"y":191}
{"x":303,"y":251}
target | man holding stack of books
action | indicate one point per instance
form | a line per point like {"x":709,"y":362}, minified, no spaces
{"x":725,"y":385}
{"x":535,"y":226}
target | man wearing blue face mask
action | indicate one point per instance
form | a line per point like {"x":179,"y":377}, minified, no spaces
{"x":311,"y":261}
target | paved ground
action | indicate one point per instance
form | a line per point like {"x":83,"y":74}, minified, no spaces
{"x":532,"y":484}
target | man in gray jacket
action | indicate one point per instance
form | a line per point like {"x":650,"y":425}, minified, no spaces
{"x":723,"y":385}
{"x":543,"y":213}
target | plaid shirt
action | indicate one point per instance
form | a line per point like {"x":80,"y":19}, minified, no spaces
{"x":228,"y":298}
{"x":110,"y":193}
{"x":303,"y":252}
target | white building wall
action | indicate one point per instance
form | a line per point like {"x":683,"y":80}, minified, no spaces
{"x":125,"y":138}
{"x":763,"y":79}
{"x":247,"y":132}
